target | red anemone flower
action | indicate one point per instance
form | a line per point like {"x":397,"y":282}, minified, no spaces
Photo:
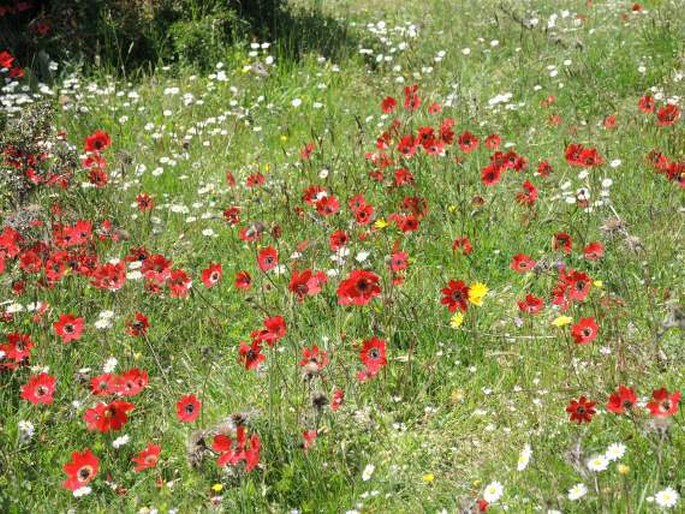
{"x":107,"y":417}
{"x":251,"y":355}
{"x":622,"y":400}
{"x":188,"y":408}
{"x":68,"y":327}
{"x":581,"y":410}
{"x":80,"y":470}
{"x":531,"y":305}
{"x":211,"y":275}
{"x":585,"y":330}
{"x":456,"y":296}
{"x":138,"y":325}
{"x":97,"y":141}
{"x":373,"y":355}
{"x":388,"y":104}
{"x":664,"y":404}
{"x":147,"y":458}
{"x":667,"y":115}
{"x":359,"y":288}
{"x":267,"y":258}
{"x":39,"y":389}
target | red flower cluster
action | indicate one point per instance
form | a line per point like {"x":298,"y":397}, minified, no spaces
{"x":233,"y":452}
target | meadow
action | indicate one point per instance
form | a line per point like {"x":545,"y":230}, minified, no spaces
{"x":418,"y":257}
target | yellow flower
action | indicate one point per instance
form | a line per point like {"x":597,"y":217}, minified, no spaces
{"x":284,"y":137}
{"x":598,"y":284}
{"x":452,"y":208}
{"x":380,"y":223}
{"x":428,"y":477}
{"x":217,"y":488}
{"x":457,"y":396}
{"x":623,"y":469}
{"x":562,"y":321}
{"x":457,"y":320}
{"x":477,"y":292}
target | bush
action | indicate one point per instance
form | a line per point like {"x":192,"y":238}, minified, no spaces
{"x":125,"y":34}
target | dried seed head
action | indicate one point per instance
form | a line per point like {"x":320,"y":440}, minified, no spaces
{"x":633,"y":243}
{"x":196,"y":448}
{"x":612,"y":226}
{"x":319,"y":400}
{"x":310,"y":370}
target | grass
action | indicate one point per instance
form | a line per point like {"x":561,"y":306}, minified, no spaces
{"x":453,"y":408}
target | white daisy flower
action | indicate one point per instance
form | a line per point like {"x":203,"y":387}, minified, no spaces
{"x":524,"y":457}
{"x":121,"y":441}
{"x":598,"y":463}
{"x":615,"y":451}
{"x":577,"y":492}
{"x":493,"y":492}
{"x":82,"y":491}
{"x":368,"y":472}
{"x":667,"y":498}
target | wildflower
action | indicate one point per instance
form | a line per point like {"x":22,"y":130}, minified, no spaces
{"x":455,"y":296}
{"x":267,"y":258}
{"x":306,"y":283}
{"x":623,"y":469}
{"x":68,"y":327}
{"x":388,"y":104}
{"x":80,"y":470}
{"x":97,"y":141}
{"x":522,"y":263}
{"x":188,"y":408}
{"x":313,"y":361}
{"x":598,"y":463}
{"x":373,"y":356}
{"x":585,"y":330}
{"x":493,"y":492}
{"x":359,"y":288}
{"x":368,"y":472}
{"x":337,"y":399}
{"x":667,"y":498}
{"x":147,"y":458}
{"x":531,"y":305}
{"x":561,"y":321}
{"x":308,"y":438}
{"x":26,"y":430}
{"x":524,"y":457}
{"x":121,"y":441}
{"x":107,"y":417}
{"x":251,"y":355}
{"x":664,"y":404}
{"x":138,"y":326}
{"x":622,"y":400}
{"x":593,"y":251}
{"x":577,"y":492}
{"x":39,"y":389}
{"x":457,"y":320}
{"x":211,"y":275}
{"x":667,"y":115}
{"x":615,"y":451}
{"x":581,"y":410}
{"x":477,"y":292}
